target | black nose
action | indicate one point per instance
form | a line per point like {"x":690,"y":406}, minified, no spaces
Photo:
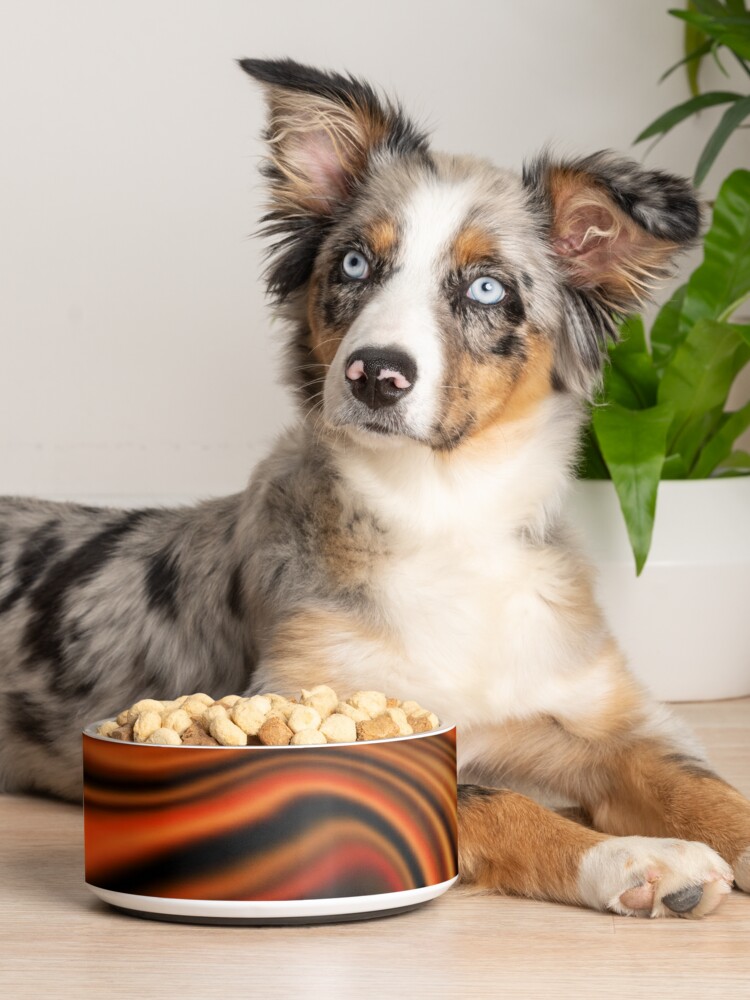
{"x":380,"y":376}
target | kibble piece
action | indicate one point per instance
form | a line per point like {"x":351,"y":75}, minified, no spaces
{"x":420,"y":723}
{"x":226,"y":732}
{"x":410,"y":707}
{"x":124,"y":733}
{"x":107,"y":728}
{"x":196,"y":736}
{"x":372,"y":702}
{"x":245,"y":715}
{"x":344,"y":708}
{"x":308,"y":737}
{"x":399,"y":717}
{"x":178,"y":720}
{"x":339,"y":728}
{"x":275,"y":733}
{"x":322,"y":698}
{"x":228,"y":700}
{"x":144,"y":705}
{"x":164,"y":737}
{"x":379,"y":728}
{"x":261,"y":703}
{"x":302,"y":717}
{"x":171,"y":706}
{"x":280,"y":704}
{"x":145,"y":724}
{"x":195,"y":707}
{"x":211,"y":713}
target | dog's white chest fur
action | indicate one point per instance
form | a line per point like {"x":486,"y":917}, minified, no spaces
{"x":479,"y":607}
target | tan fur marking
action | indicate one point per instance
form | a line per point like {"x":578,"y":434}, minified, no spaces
{"x":512,"y":845}
{"x":381,"y":235}
{"x":307,"y":643}
{"x":472,"y":245}
{"x":496,"y":397}
{"x":324,"y":341}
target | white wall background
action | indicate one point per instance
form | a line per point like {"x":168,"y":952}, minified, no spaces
{"x":136,"y":352}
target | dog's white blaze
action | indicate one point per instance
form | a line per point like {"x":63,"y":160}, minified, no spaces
{"x":402,"y":314}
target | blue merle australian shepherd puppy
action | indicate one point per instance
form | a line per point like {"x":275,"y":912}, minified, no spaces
{"x":446,"y":320}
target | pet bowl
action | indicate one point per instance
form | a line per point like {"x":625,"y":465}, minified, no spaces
{"x":293,"y":834}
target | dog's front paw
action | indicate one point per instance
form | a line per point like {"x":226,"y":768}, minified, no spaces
{"x":651,"y":877}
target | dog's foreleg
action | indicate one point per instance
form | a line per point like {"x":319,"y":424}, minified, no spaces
{"x":510,"y":844}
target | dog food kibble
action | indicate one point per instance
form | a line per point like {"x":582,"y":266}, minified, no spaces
{"x":316,"y":717}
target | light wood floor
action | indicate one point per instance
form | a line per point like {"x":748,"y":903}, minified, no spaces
{"x":57,"y":941}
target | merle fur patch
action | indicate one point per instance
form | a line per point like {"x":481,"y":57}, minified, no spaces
{"x":44,"y":633}
{"x":41,"y":547}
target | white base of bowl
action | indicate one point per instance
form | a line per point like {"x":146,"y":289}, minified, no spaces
{"x":292,"y":911}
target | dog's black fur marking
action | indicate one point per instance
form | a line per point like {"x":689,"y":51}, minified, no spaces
{"x":510,"y":345}
{"x":27,"y":718}
{"x":40,"y":549}
{"x":292,"y":257}
{"x":162,"y":583}
{"x":44,"y":633}
{"x":467,"y":792}
{"x":692,"y":766}
{"x":235,"y":594}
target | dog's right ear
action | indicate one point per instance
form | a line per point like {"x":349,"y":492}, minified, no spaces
{"x":323,"y":129}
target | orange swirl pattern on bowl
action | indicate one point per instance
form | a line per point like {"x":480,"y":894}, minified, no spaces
{"x":265,"y":823}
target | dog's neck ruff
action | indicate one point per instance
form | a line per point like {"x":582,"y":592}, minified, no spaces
{"x":511,"y":479}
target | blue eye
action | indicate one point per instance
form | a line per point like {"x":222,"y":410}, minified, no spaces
{"x":355,"y":266}
{"x":488,"y":291}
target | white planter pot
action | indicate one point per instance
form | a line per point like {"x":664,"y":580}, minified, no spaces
{"x":684,"y":624}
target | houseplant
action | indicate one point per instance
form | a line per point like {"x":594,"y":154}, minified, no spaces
{"x":660,"y":427}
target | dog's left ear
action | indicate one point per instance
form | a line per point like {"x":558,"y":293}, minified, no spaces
{"x":614,"y":229}
{"x":323,"y":131}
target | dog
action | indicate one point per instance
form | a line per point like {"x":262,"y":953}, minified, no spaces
{"x":447,"y":324}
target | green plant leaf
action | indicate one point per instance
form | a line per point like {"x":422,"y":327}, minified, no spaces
{"x":720,"y":445}
{"x":713,"y":8}
{"x":722,"y":282}
{"x":674,"y":468}
{"x":737,"y":464}
{"x":730,"y":120}
{"x":665,"y":330}
{"x":633,"y":445}
{"x":693,"y":58}
{"x":696,"y":381}
{"x":630,"y":378}
{"x":591,"y":464}
{"x":632,"y":336}
{"x":664,"y":123}
{"x":693,"y":38}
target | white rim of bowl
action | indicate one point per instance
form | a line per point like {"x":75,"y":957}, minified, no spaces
{"x":93,"y":734}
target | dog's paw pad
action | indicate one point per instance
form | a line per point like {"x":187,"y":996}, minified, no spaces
{"x":640,"y":898}
{"x":652,"y":877}
{"x":683,"y":900}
